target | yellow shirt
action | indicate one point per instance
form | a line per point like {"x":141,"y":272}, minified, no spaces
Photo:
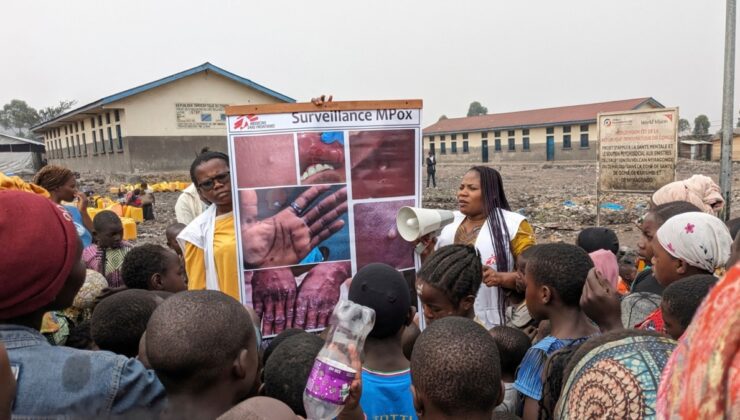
{"x":523,"y":239}
{"x":225,"y":256}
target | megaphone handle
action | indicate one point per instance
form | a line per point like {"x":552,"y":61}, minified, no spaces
{"x":421,"y":246}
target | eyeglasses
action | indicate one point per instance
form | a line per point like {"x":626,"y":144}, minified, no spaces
{"x":222,"y":179}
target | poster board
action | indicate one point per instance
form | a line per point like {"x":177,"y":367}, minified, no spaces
{"x":637,"y":149}
{"x":316,"y":190}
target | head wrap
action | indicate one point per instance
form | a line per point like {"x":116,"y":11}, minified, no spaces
{"x":383,"y":289}
{"x":15,"y":183}
{"x":701,"y":379}
{"x":636,"y":307}
{"x":698,"y":190}
{"x":606,"y":263}
{"x":594,"y":238}
{"x":616,"y":380}
{"x":41,"y":249}
{"x":700,"y":239}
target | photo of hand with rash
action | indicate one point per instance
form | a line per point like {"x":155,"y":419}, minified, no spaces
{"x":294,"y":225}
{"x":265,"y":161}
{"x":382,"y":163}
{"x":321,"y":158}
{"x":297,"y":297}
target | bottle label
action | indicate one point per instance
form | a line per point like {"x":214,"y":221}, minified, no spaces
{"x":329,"y":383}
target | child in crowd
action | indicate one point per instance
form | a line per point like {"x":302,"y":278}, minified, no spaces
{"x":627,"y":260}
{"x":171,"y":234}
{"x":287,"y":368}
{"x":80,"y":336}
{"x":153,"y":267}
{"x":448,"y":282}
{"x":654,"y":219}
{"x":687,"y":244}
{"x":43,"y":272}
{"x":58,"y":325}
{"x":119,"y":321}
{"x":734,"y":249}
{"x":555,"y":276}
{"x":595,"y":238}
{"x":552,"y":379}
{"x":456,"y":371}
{"x":203,"y":346}
{"x":259,"y":408}
{"x":106,"y":255}
{"x":512,"y":345}
{"x":681,"y":300}
{"x":516,"y":314}
{"x":386,"y":378}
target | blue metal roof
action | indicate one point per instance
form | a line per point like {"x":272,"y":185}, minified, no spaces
{"x":157,"y":83}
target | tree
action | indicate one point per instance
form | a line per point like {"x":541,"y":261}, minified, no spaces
{"x":476,"y":109}
{"x":51,"y":112}
{"x":443,"y":117}
{"x":18,"y":116}
{"x":684,"y":125}
{"x":701,"y":125}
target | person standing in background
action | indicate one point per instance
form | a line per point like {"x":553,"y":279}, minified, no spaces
{"x":431,"y":169}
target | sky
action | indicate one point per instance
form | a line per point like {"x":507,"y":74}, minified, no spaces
{"x":509,"y":55}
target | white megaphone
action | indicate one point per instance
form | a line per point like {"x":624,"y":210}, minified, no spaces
{"x":414,"y":223}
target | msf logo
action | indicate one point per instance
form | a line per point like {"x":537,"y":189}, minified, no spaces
{"x":243,"y":122}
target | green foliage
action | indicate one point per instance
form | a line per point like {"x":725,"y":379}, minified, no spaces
{"x":19,"y":117}
{"x":684,"y":125}
{"x":701,"y":125}
{"x":476,"y":109}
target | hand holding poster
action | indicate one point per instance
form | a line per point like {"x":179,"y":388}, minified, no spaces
{"x":317,"y":191}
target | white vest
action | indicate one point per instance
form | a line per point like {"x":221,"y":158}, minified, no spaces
{"x":486,"y":302}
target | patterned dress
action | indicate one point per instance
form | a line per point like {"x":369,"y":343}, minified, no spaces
{"x":107,"y":261}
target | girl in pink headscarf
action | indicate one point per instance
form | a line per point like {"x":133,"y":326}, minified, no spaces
{"x":606,"y":263}
{"x":698,"y":190}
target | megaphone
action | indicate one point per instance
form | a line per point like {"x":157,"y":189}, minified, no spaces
{"x":414,"y":223}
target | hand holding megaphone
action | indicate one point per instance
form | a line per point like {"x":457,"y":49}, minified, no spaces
{"x":414,"y":223}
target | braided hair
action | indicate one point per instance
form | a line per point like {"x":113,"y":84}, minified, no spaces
{"x":553,"y":380}
{"x":203,"y":158}
{"x":51,"y":177}
{"x":456,"y":270}
{"x":494,"y":201}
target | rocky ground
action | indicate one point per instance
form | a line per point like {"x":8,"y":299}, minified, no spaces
{"x":558,"y":199}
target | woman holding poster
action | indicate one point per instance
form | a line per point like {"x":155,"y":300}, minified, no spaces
{"x":485,"y":221}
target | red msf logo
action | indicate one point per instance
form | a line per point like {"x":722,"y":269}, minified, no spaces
{"x":244,"y":121}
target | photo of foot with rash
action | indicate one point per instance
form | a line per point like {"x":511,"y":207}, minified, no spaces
{"x":294,"y":225}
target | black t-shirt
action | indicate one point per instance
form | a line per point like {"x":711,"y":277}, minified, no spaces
{"x":646,"y":282}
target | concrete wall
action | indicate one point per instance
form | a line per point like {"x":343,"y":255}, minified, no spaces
{"x":537,"y":153}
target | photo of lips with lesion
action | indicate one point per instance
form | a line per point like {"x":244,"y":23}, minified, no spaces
{"x":321,"y":158}
{"x":382,"y":163}
{"x":265,"y":161}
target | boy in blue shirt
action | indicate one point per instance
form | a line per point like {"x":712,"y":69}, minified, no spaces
{"x":386,"y":378}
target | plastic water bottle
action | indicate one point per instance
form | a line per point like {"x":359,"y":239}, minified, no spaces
{"x":332,"y":374}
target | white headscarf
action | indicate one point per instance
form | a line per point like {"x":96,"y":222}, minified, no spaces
{"x":700,"y":239}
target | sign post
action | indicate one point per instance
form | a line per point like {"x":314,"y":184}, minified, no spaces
{"x":637,"y":151}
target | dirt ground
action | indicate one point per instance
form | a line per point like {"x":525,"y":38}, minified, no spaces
{"x":558,"y":199}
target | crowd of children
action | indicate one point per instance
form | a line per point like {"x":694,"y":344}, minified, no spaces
{"x":111,"y":329}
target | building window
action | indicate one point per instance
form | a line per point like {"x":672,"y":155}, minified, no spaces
{"x":465,"y":136}
{"x":453,"y":137}
{"x":566,"y":129}
{"x":566,"y":141}
{"x":116,"y":115}
{"x":110,"y":139}
{"x":512,"y":145}
{"x":79,"y":146}
{"x":497,"y":133}
{"x":550,"y":130}
{"x":102,"y":141}
{"x":65,"y":130}
{"x":69,"y":151}
{"x":100,"y":120}
{"x":484,"y":134}
{"x":120,"y":138}
{"x":443,"y":147}
{"x":465,"y":146}
{"x":431,"y":146}
{"x":584,"y":140}
{"x":525,"y":143}
{"x":82,"y":125}
{"x":431,"y":138}
{"x":453,"y":147}
{"x":525,"y":131}
{"x":512,"y":133}
{"x":497,"y":145}
{"x":95,"y":144}
{"x":584,"y":127}
{"x":92,"y":122}
{"x":84,"y":144}
{"x":442,"y":137}
{"x":107,"y":117}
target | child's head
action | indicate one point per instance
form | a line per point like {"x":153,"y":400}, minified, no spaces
{"x":455,"y":370}
{"x":552,"y":379}
{"x":108,"y":229}
{"x":153,"y":267}
{"x":383,"y":289}
{"x":201,"y":340}
{"x":287,"y":370}
{"x":734,"y":252}
{"x":681,"y":300}
{"x":259,"y":408}
{"x":595,"y":238}
{"x":119,"y":320}
{"x":687,"y":244}
{"x":555,"y":276}
{"x":628,"y":266}
{"x":512,"y":345}
{"x":448,"y":282}
{"x":654,"y":219}
{"x":171,"y":234}
{"x":80,"y":336}
{"x":278,"y":340}
{"x":521,"y":260}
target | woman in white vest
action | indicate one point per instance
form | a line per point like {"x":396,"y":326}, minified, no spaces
{"x":485,"y":221}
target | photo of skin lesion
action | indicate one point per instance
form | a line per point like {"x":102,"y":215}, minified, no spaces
{"x":382,"y":163}
{"x":294,"y":225}
{"x":321,"y":158}
{"x":265,"y":161}
{"x":376,"y":236}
